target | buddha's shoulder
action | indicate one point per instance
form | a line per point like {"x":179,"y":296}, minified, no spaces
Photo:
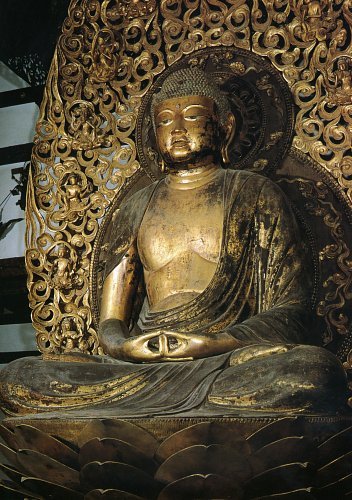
{"x":252,"y":180}
{"x":140,"y":197}
{"x":130,"y":211}
{"x":246,"y":177}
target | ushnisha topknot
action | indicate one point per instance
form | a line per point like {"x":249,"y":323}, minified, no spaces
{"x":191,"y":81}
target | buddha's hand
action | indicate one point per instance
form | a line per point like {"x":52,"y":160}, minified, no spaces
{"x":161,"y":345}
{"x":113,"y":337}
{"x":138,"y":349}
{"x":150,"y":347}
{"x":177,"y":346}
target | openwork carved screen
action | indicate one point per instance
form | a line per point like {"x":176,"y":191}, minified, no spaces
{"x":289,"y":65}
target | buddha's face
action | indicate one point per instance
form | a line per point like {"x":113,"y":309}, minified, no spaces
{"x":187,"y":130}
{"x":61,"y":252}
{"x":72,"y":180}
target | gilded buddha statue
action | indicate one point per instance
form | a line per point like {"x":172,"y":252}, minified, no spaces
{"x":225,"y":325}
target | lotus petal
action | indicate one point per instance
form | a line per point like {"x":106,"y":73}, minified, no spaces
{"x":115,"y":475}
{"x":301,"y":494}
{"x":110,"y":495}
{"x":114,"y":450}
{"x":119,"y":429}
{"x":29,"y":437}
{"x":335,"y":446}
{"x":343,"y":485}
{"x":9,"y":454}
{"x":200,"y":459}
{"x":201,"y":486}
{"x":11,"y":473}
{"x":282,"y":479}
{"x":43,"y":467}
{"x":50,"y":490}
{"x":8,"y":437}
{"x":284,"y":427}
{"x":205,"y":433}
{"x":12,"y":491}
{"x":335,"y":470}
{"x":283,"y":451}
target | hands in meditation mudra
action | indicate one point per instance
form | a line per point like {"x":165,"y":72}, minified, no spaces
{"x":227,"y":289}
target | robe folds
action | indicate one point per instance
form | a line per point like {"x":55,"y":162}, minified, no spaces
{"x":260,"y":294}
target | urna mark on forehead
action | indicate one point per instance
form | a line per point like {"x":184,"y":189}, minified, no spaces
{"x":191,"y":82}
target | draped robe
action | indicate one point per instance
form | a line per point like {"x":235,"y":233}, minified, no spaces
{"x":260,"y":294}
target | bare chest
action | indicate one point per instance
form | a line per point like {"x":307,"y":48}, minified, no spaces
{"x":179,"y":224}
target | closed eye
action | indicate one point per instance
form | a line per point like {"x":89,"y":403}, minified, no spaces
{"x":166,"y":121}
{"x":193,"y":117}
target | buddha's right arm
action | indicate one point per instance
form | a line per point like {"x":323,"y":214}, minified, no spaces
{"x":117,"y":301}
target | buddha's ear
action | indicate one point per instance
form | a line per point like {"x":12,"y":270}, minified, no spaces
{"x":229,"y":129}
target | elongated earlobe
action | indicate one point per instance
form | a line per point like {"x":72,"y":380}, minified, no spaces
{"x":229,"y":129}
{"x":162,"y":165}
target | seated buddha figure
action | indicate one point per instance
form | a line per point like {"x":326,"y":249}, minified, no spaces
{"x":225,"y":325}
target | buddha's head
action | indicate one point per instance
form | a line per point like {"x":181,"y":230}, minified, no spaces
{"x":192,"y":120}
{"x":72,"y":180}
{"x":62,"y":251}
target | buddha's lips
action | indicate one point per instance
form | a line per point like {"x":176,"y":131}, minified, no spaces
{"x":179,"y":141}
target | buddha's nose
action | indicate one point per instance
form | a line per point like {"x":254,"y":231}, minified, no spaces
{"x":179,"y":125}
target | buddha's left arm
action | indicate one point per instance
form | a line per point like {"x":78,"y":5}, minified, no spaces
{"x":282,"y":277}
